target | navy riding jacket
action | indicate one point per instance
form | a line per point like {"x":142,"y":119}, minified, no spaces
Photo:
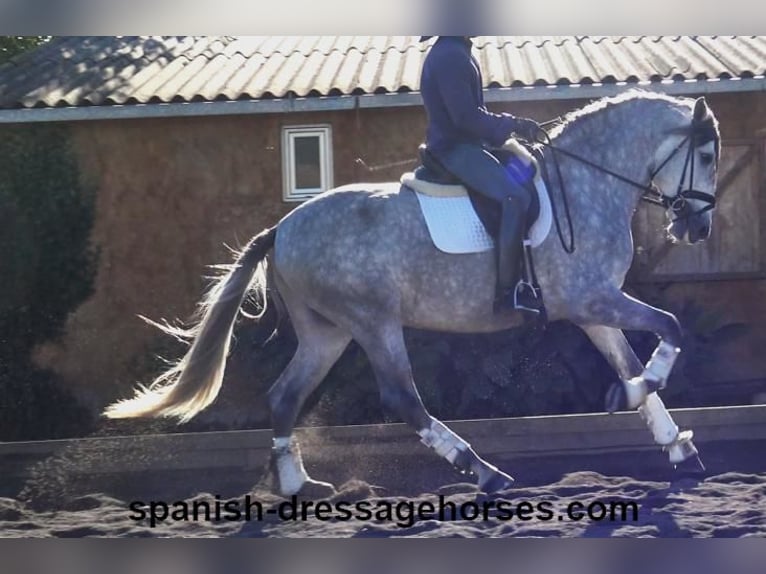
{"x":451,"y":86}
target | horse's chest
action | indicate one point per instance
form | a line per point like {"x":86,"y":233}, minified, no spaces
{"x":608,"y":256}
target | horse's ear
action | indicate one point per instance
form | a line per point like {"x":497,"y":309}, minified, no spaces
{"x":701,"y":110}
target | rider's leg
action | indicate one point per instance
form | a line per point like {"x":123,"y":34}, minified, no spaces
{"x":484,"y":174}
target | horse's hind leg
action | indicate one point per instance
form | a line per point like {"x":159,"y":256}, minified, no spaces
{"x":614,"y":346}
{"x":387,"y":353}
{"x":320,"y":344}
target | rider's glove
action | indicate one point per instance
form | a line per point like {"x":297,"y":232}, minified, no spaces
{"x":527,"y":129}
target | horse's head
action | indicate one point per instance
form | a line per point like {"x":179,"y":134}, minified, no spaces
{"x":684,"y":171}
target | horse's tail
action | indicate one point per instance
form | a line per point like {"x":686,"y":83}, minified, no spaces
{"x":193,"y":383}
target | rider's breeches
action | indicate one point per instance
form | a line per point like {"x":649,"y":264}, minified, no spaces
{"x":480,"y":171}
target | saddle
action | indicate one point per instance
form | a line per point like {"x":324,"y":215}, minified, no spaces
{"x":433,"y":179}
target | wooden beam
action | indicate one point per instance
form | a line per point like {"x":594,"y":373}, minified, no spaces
{"x":506,"y":437}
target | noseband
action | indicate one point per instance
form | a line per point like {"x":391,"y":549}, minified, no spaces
{"x":700,"y":132}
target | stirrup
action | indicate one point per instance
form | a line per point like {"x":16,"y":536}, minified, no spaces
{"x":521,"y":286}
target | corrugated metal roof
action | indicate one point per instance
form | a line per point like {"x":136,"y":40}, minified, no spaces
{"x":87,"y":71}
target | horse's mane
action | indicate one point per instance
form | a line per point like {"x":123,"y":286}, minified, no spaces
{"x":579,"y":115}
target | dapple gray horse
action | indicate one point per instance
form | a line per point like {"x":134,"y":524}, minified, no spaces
{"x":357,"y":263}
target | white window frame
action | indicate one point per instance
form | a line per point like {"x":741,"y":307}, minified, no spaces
{"x":289,"y":134}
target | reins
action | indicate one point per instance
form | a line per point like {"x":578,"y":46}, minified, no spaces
{"x":569,"y":247}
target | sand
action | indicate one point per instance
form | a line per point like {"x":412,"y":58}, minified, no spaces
{"x":725,"y":505}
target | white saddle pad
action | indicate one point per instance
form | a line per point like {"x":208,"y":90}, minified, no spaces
{"x":454,"y":225}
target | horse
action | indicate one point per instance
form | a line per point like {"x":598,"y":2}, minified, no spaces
{"x":357,"y":263}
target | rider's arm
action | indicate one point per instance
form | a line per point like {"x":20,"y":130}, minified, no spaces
{"x":466,"y":111}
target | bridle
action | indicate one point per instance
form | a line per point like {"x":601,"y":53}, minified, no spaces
{"x":698,"y":133}
{"x":679,"y":202}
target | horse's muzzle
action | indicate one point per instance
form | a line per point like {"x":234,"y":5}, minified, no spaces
{"x":700,"y":226}
{"x":699,"y":232}
{"x":691,"y":230}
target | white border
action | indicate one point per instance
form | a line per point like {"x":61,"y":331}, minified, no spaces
{"x":289,"y":133}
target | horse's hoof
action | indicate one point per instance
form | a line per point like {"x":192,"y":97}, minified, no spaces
{"x":497,"y":481}
{"x":682,"y":448}
{"x":616,"y":398}
{"x":691,"y":467}
{"x":316,"y":490}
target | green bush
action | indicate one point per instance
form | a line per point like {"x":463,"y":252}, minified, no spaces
{"x":47,"y":266}
{"x":33,"y":406}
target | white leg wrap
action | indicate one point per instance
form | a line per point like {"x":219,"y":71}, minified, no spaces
{"x":657,"y":371}
{"x":292,"y":476}
{"x":445,"y":442}
{"x":659,"y":366}
{"x":636,"y":392}
{"x":679,"y":445}
{"x":658,"y":419}
{"x":682,"y":448}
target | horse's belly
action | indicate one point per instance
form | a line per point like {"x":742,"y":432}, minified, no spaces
{"x":455,"y":294}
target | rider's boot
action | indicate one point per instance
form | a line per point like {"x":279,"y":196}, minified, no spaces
{"x":512,"y":291}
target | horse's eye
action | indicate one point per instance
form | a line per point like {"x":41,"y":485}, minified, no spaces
{"x":706,"y":158}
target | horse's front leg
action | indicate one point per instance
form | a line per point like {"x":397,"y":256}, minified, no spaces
{"x":622,"y":311}
{"x":611,"y":342}
{"x":629,"y":313}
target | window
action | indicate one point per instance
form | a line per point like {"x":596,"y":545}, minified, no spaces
{"x":306,"y":161}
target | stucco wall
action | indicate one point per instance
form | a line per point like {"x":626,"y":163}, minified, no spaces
{"x":171,"y":194}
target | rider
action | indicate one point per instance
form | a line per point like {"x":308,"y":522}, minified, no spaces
{"x":460,"y":133}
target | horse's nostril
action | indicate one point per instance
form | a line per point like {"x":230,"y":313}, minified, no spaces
{"x":705,"y":231}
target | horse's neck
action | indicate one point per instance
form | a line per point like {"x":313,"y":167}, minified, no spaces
{"x":617,"y":142}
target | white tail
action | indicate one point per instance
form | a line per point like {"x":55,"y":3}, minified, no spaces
{"x":194,"y":382}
